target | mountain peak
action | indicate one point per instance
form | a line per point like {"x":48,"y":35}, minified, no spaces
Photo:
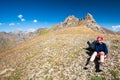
{"x":89,"y":17}
{"x":70,"y":19}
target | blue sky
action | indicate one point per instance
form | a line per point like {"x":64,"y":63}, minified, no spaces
{"x":33,"y":14}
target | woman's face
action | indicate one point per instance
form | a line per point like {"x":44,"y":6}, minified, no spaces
{"x":99,"y":40}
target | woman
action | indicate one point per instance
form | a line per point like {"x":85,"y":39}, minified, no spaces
{"x":101,"y":52}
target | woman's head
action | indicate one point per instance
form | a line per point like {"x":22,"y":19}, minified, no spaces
{"x":100,"y":39}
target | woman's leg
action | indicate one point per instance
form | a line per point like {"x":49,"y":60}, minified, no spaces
{"x":91,"y":60}
{"x":93,"y":56}
{"x":102,"y":54}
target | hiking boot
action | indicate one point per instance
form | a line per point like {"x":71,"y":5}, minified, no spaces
{"x":100,"y":67}
{"x":88,"y":65}
{"x":98,"y":70}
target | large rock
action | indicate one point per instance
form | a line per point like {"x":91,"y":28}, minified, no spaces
{"x":89,"y":17}
{"x":71,"y":21}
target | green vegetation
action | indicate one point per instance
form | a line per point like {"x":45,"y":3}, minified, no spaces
{"x":14,"y":78}
{"x":115,"y":74}
{"x":54,"y":27}
{"x":47,"y":78}
{"x":25,"y":39}
{"x":45,"y":31}
{"x":5,"y":43}
{"x":115,"y":41}
{"x":114,"y":47}
{"x":98,"y":78}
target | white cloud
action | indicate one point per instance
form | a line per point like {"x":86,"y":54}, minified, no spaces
{"x":22,"y":19}
{"x":35,"y":21}
{"x":20,"y":16}
{"x":116,"y":28}
{"x":30,"y":30}
{"x":1,"y":24}
{"x":11,"y":24}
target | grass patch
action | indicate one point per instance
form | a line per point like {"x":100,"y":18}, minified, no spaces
{"x":75,"y":54}
{"x":115,"y":41}
{"x":45,"y":31}
{"x":48,"y":78}
{"x":114,"y":47}
{"x":53,"y":27}
{"x":14,"y":78}
{"x":115,"y":74}
{"x":97,"y":78}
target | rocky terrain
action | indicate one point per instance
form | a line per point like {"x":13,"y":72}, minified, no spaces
{"x":61,"y":54}
{"x":88,"y":21}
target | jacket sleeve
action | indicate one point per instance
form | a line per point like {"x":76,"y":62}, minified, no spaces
{"x":105,"y":49}
{"x":96,"y":48}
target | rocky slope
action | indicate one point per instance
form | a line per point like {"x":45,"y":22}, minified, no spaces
{"x":59,"y":55}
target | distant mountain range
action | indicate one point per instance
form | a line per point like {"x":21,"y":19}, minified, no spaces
{"x":8,"y":40}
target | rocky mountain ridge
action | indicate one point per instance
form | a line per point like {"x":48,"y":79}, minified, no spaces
{"x":88,"y":21}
